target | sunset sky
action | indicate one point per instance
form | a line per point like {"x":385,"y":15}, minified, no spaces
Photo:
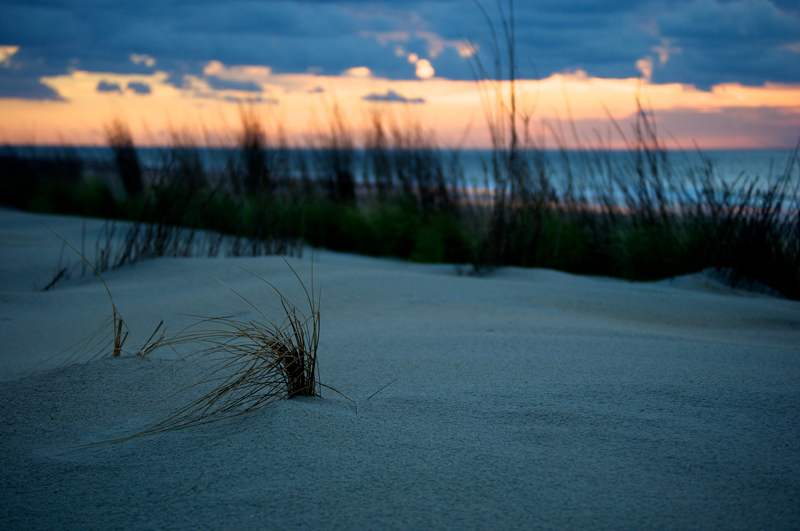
{"x":725,"y":74}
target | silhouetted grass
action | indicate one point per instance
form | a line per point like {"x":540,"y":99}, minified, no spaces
{"x":52,"y":182}
{"x":585,"y":212}
{"x":387,"y":228}
{"x":636,"y":219}
{"x":118,"y":136}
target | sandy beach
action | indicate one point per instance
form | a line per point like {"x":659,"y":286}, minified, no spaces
{"x":526,"y":399}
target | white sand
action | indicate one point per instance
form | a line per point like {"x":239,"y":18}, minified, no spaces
{"x":528,"y":399}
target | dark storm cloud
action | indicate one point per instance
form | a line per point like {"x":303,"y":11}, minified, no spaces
{"x":702,"y":42}
{"x":735,"y":41}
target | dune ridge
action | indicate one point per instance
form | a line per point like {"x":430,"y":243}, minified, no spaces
{"x":525,"y":399}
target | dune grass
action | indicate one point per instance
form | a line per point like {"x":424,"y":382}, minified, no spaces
{"x":634,"y":218}
{"x":246,"y":364}
{"x":241,"y":365}
{"x":639,"y":215}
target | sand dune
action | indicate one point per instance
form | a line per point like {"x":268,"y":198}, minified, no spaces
{"x":526,"y":399}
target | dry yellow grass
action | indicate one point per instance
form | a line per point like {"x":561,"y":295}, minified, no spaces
{"x":243,"y":364}
{"x":246,"y":364}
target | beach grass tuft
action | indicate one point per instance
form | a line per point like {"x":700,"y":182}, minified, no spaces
{"x":246,"y":364}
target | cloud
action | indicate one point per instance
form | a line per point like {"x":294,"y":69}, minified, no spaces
{"x":6,"y":52}
{"x":316,"y":90}
{"x":424,"y":69}
{"x":740,"y":40}
{"x":645,"y":66}
{"x":436,"y":44}
{"x":449,"y":106}
{"x":385,"y":37}
{"x":358,"y":71}
{"x":224,"y":90}
{"x":665,"y":51}
{"x":746,"y":127}
{"x":224,"y":84}
{"x":257,"y":99}
{"x":735,"y":21}
{"x":245,"y":73}
{"x":142,"y":59}
{"x":105,"y":86}
{"x":139,"y":88}
{"x":392,"y":97}
{"x":701,"y":42}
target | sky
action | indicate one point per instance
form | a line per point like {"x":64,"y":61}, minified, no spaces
{"x":719,"y":73}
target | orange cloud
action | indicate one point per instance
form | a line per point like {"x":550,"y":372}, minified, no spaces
{"x":424,"y":69}
{"x":300,"y":103}
{"x":254,"y":74}
{"x":358,"y":71}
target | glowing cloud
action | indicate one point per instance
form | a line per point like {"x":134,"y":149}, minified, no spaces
{"x":645,"y":66}
{"x":727,"y":116}
{"x":424,"y":69}
{"x":245,"y":73}
{"x":6,"y":52}
{"x":467,"y":50}
{"x":413,"y":58}
{"x":358,"y":71}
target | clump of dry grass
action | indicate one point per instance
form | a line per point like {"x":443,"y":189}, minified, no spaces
{"x":246,"y":363}
{"x":249,"y":363}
